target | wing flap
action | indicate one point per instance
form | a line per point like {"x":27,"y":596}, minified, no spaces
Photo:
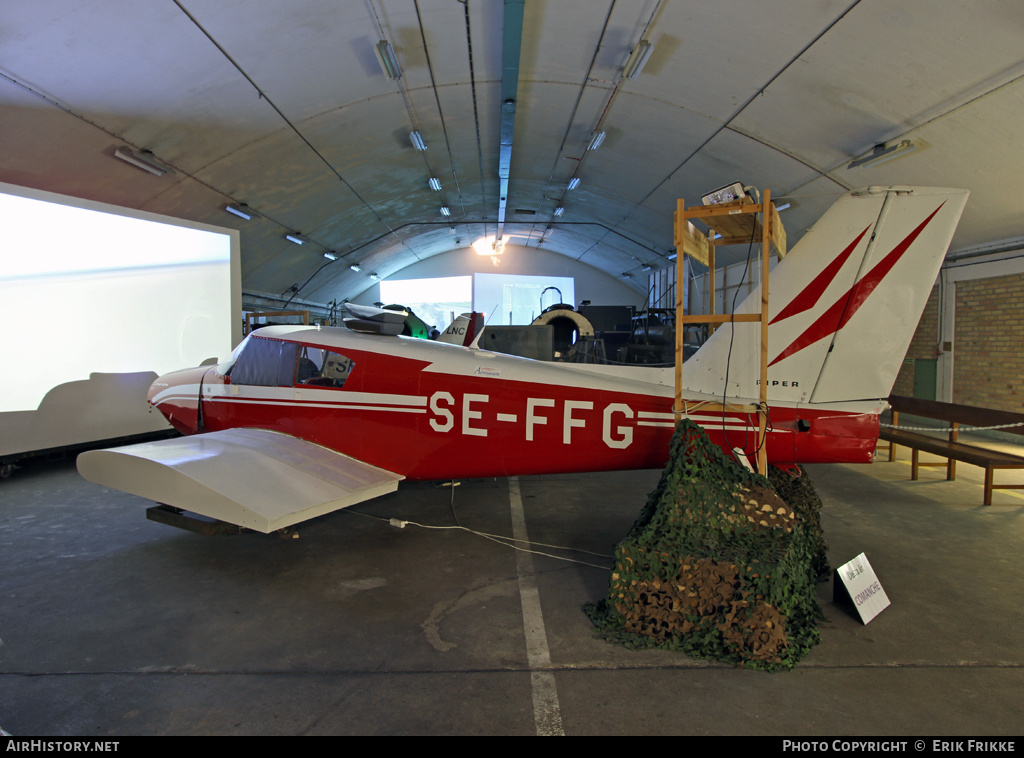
{"x":255,"y":478}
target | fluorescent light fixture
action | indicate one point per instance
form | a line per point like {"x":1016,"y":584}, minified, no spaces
{"x":672,"y":256}
{"x":375,"y":277}
{"x":782,"y":207}
{"x":559,"y":211}
{"x":330,"y":256}
{"x":596,"y":140}
{"x":445,"y":211}
{"x":242,"y":211}
{"x":356,"y":267}
{"x":293,"y":238}
{"x":435,"y":183}
{"x":574,"y":182}
{"x":637,"y":59}
{"x":417,"y":141}
{"x":142,"y":160}
{"x":451,"y":230}
{"x":625,"y":275}
{"x":881,"y":154}
{"x":388,"y":61}
{"x":646,"y":267}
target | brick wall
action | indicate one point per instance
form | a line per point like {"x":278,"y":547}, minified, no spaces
{"x":989,"y":343}
{"x":922,"y":346}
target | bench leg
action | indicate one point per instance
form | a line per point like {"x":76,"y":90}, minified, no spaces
{"x":989,"y":474}
{"x":913,"y":463}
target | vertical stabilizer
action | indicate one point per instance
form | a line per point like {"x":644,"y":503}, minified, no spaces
{"x":844,"y":304}
{"x":464,"y":330}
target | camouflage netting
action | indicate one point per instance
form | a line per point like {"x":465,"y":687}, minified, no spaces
{"x":718,"y":565}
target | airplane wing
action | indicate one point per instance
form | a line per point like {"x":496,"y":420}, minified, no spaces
{"x":255,"y":478}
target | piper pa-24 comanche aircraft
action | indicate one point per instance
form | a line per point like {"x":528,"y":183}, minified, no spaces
{"x":302,"y":421}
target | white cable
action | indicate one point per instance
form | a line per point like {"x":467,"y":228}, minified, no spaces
{"x":499,"y":538}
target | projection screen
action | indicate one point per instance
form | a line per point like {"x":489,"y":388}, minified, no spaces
{"x":97,"y":301}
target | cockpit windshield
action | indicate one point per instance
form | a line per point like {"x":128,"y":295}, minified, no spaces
{"x":263,"y":362}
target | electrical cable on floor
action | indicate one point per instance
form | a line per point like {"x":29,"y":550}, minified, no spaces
{"x":453,"y":484}
{"x":499,"y":538}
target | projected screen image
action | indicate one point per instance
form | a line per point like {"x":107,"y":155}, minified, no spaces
{"x":95,"y":304}
{"x":514,"y":299}
{"x":437,"y":302}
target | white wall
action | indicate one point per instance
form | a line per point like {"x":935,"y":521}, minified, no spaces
{"x":593,"y":285}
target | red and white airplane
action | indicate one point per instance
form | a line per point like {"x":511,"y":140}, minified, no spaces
{"x":301,"y":421}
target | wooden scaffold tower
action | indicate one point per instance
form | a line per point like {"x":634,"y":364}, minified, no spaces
{"x":739,"y":222}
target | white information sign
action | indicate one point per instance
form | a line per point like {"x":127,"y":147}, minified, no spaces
{"x":863,"y":588}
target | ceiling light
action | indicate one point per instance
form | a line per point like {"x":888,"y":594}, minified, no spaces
{"x":356,"y":267}
{"x":782,"y":207}
{"x":646,"y":267}
{"x":293,"y":238}
{"x":881,"y":154}
{"x":435,"y":184}
{"x":388,"y":61}
{"x":145,"y":161}
{"x":574,"y":182}
{"x":445,"y":211}
{"x":625,"y":275}
{"x":375,"y":277}
{"x":559,"y":211}
{"x":489,"y":246}
{"x":242,"y":211}
{"x":417,"y":140}
{"x":451,"y":230}
{"x":637,"y":59}
{"x":330,"y":256}
{"x":595,"y":141}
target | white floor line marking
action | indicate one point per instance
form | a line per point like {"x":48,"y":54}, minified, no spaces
{"x":546,"y":711}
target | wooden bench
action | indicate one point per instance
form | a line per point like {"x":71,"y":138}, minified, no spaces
{"x":949,"y":446}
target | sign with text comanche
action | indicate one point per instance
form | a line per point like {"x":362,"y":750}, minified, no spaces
{"x":856,"y":584}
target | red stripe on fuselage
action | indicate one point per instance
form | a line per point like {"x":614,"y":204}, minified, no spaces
{"x":457,"y":426}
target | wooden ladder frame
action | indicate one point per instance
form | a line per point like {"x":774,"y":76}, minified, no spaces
{"x":737,"y":222}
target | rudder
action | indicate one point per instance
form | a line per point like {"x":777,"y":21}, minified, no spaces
{"x":844,"y":304}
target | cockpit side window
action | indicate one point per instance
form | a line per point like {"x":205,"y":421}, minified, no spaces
{"x":323,"y":368}
{"x":265,"y":363}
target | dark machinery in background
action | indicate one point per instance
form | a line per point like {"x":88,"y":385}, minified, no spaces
{"x":644,"y":338}
{"x":608,"y":334}
{"x":604,"y":334}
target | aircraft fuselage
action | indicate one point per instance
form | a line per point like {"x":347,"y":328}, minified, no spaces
{"x":432,"y":411}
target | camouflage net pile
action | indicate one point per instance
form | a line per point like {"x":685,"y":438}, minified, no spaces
{"x":718,"y":565}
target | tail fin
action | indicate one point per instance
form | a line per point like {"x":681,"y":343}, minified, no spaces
{"x":463,"y":330}
{"x":844,"y":304}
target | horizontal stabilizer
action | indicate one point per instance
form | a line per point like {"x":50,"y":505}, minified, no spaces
{"x":254,"y":478}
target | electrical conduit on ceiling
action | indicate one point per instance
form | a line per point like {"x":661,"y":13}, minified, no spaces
{"x":512,"y":42}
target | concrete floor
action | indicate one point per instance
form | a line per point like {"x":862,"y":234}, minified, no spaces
{"x":112,"y":625}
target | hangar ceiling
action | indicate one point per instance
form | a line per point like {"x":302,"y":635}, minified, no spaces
{"x":286,"y":108}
